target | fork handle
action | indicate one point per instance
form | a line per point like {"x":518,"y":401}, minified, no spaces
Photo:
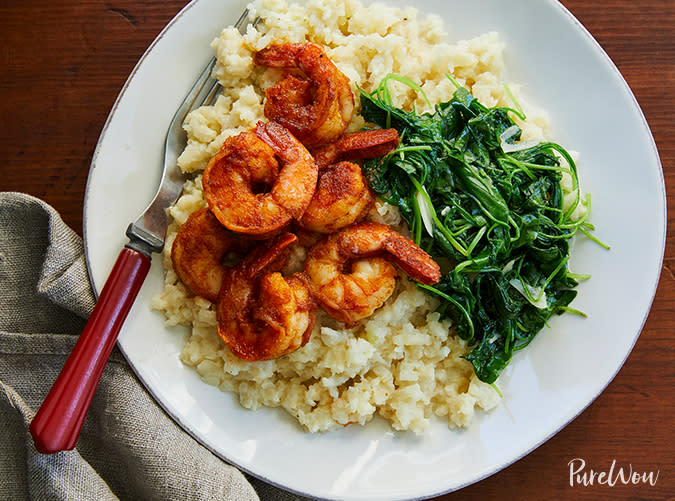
{"x":58,"y":422}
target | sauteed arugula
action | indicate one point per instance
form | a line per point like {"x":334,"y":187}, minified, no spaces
{"x":493,"y":209}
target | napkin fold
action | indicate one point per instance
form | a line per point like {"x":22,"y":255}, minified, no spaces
{"x":128,"y":448}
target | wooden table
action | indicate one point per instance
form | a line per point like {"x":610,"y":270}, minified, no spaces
{"x":62,"y":64}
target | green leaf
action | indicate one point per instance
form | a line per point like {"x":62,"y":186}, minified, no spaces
{"x":497,"y":216}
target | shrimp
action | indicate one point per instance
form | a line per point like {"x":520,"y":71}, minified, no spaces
{"x":362,"y":144}
{"x":246,"y":188}
{"x":261,"y":314}
{"x":316,"y":108}
{"x":352,"y":273}
{"x":198,"y":250}
{"x":342,"y":197}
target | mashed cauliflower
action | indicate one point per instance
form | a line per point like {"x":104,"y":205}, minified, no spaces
{"x":403,"y":363}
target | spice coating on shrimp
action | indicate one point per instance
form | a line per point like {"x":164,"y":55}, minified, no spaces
{"x":296,"y":183}
{"x":198,"y":250}
{"x":342,"y":197}
{"x":361,"y":144}
{"x":316,"y":109}
{"x":261,"y":314}
{"x":352,"y":274}
{"x":249,"y":191}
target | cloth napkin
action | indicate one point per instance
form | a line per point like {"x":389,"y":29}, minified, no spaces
{"x":128,"y":448}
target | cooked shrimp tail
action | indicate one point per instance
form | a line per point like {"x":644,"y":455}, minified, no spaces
{"x":414,"y":261}
{"x":268,"y":256}
{"x":369,"y":238}
{"x":358,"y":145}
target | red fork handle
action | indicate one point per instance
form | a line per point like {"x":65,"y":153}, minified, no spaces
{"x":58,"y":422}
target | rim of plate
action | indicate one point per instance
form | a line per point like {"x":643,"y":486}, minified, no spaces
{"x":497,"y":468}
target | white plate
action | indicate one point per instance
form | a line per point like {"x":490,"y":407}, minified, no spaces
{"x":592,"y":110}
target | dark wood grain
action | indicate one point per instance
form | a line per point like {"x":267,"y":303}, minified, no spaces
{"x":63,"y":62}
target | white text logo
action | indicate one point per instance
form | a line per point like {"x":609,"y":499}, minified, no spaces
{"x":579,"y":475}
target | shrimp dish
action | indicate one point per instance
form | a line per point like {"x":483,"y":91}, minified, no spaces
{"x":259,"y":182}
{"x":298,"y":285}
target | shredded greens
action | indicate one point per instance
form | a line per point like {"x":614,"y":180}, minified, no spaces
{"x":491,"y":210}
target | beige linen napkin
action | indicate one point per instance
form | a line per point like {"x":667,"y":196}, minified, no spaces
{"x":129,"y":448}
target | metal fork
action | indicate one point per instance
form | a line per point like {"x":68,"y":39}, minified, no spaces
{"x":58,"y":422}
